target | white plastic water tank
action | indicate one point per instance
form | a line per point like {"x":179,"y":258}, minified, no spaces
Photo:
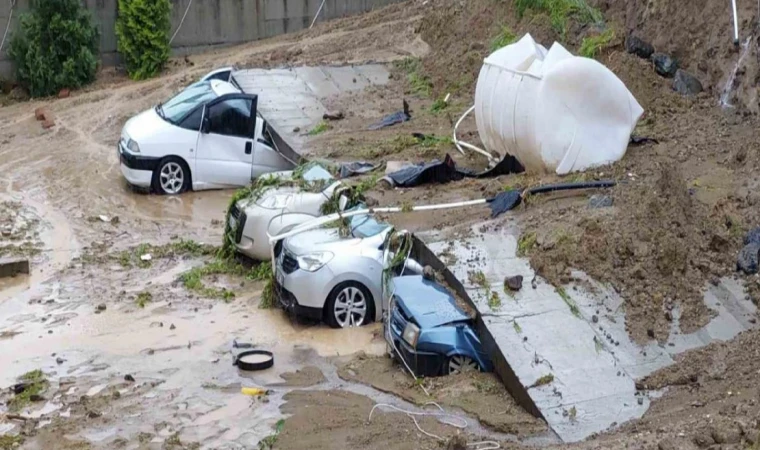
{"x":553,"y":111}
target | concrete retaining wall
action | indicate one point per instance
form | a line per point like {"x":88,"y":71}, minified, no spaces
{"x":208,"y":22}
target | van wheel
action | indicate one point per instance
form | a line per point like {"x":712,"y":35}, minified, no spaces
{"x":350,"y":304}
{"x":461,"y":364}
{"x":172,"y":176}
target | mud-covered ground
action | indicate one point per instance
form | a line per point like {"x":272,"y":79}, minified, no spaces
{"x":93,"y":320}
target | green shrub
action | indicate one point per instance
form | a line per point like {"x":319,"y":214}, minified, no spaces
{"x":592,"y":45}
{"x":142,"y":29}
{"x":55,"y":47}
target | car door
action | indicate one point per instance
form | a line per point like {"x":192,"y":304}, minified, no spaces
{"x":225,"y":143}
{"x":266,"y":159}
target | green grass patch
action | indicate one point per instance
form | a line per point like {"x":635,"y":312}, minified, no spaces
{"x":36,"y":383}
{"x":561,"y":11}
{"x":193,"y":279}
{"x":268,"y":442}
{"x":439,"y":105}
{"x":592,"y":45}
{"x":543,"y":381}
{"x":569,"y":301}
{"x":320,"y":128}
{"x":517,"y":327}
{"x":131,"y":258}
{"x":419,"y":83}
{"x":143,"y":298}
{"x":504,"y":38}
{"x":8,"y":442}
{"x":526,"y":243}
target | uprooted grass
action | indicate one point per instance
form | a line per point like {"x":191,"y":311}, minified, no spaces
{"x":132,"y":257}
{"x":543,"y":381}
{"x":143,"y":298}
{"x":193,"y":279}
{"x":504,"y":38}
{"x":593,"y":45}
{"x":35,"y":382}
{"x":419,"y":84}
{"x":428,"y":146}
{"x":560,"y":12}
{"x":9,"y":442}
{"x":320,"y":128}
{"x":268,"y":442}
{"x":569,"y":301}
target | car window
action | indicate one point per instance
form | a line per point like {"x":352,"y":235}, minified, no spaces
{"x":231,"y":118}
{"x":365,"y":226}
{"x":184,"y":102}
{"x":193,"y":121}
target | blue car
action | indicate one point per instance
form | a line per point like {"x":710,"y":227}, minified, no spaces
{"x":430,"y":332}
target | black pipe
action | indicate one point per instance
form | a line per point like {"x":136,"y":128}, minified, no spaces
{"x":571,"y":186}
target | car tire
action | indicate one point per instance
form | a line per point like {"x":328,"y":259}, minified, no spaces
{"x":344,"y":297}
{"x":460,"y":364}
{"x":171,"y":177}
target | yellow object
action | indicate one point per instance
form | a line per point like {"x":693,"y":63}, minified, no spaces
{"x":253,"y":391}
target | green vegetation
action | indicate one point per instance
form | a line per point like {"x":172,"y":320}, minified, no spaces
{"x":543,"y":381}
{"x":560,"y":12}
{"x":592,"y":45}
{"x":526,"y":243}
{"x":320,"y":128}
{"x":573,"y":414}
{"x":142,"y":29}
{"x":598,"y":345}
{"x":419,"y":83}
{"x":517,"y":327}
{"x":35,"y":382}
{"x":494,"y":302}
{"x":439,"y":105}
{"x":504,"y":38}
{"x":8,"y":442}
{"x":355,"y":194}
{"x":55,"y":47}
{"x":407,"y":206}
{"x":570,"y":302}
{"x":131,"y":257}
{"x":268,"y":442}
{"x":143,"y":298}
{"x":193,"y":279}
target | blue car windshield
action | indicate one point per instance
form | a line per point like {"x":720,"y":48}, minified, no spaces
{"x":365,"y":226}
{"x":186,"y":101}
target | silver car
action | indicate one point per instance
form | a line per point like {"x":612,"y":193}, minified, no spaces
{"x":322,"y":275}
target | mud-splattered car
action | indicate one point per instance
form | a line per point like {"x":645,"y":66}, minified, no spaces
{"x":428,"y":331}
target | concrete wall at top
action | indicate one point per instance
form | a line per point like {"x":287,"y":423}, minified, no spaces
{"x":208,"y":22}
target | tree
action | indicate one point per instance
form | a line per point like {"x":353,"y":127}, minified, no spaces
{"x":142,"y":29}
{"x":55,"y":47}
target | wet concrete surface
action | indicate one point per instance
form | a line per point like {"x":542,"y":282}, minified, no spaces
{"x":576,"y":336}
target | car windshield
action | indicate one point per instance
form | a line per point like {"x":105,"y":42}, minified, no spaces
{"x":184,"y":102}
{"x":365,"y":226}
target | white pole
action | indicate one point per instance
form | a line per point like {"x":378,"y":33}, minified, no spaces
{"x":736,"y":23}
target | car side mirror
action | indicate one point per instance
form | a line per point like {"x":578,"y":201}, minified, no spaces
{"x":205,"y":125}
{"x":342,"y":202}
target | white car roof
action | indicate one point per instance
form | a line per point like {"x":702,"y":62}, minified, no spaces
{"x":222,"y":88}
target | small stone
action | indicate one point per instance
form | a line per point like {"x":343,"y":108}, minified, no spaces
{"x":428,"y":273}
{"x":172,"y":327}
{"x":638,"y":47}
{"x":650,"y":333}
{"x":50,"y":331}
{"x":595,"y":318}
{"x":64,"y":93}
{"x":101,"y":307}
{"x":296,"y":129}
{"x":752,"y":236}
{"x":514,"y":283}
{"x":93,"y":414}
{"x":664,"y":65}
{"x":747,"y":261}
{"x":686,"y":84}
{"x":59,"y":360}
{"x":151,"y":351}
{"x":668,"y":316}
{"x":640,"y":400}
{"x":129,"y":378}
{"x":333,"y":115}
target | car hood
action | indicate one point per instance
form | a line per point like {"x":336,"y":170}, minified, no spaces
{"x":427,"y":302}
{"x":145,"y":126}
{"x":319,"y":240}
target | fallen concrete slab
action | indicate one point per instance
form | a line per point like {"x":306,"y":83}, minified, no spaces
{"x":564,"y":353}
{"x":10,"y":267}
{"x":291,"y":99}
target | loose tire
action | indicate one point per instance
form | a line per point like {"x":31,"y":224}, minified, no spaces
{"x":350,"y":304}
{"x":172,"y":176}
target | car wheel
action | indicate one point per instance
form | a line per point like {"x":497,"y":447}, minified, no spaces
{"x":172,"y":176}
{"x":461,"y":364}
{"x":350,"y":304}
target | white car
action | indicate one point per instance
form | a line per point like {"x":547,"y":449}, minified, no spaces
{"x":323,"y":276}
{"x":209,"y":136}
{"x":277,"y":210}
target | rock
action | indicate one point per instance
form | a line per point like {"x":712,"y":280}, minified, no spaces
{"x":640,"y":400}
{"x":595,"y":318}
{"x":674,"y":444}
{"x":18,"y":93}
{"x":686,"y":84}
{"x":638,"y":47}
{"x":297,"y":130}
{"x":650,"y":333}
{"x":428,"y":273}
{"x":600,"y":201}
{"x":172,"y":327}
{"x":59,"y":360}
{"x":129,"y":378}
{"x":47,"y":124}
{"x":41,"y":114}
{"x":747,"y":261}
{"x":64,"y":93}
{"x":457,"y":442}
{"x":703,"y":439}
{"x":514,"y":283}
{"x":668,"y":316}
{"x":753,"y":237}
{"x":101,"y":307}
{"x":664,"y":65}
{"x":333,"y":115}
{"x":727,"y":434}
{"x":93,"y":414}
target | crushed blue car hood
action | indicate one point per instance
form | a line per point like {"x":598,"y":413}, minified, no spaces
{"x":427,"y":302}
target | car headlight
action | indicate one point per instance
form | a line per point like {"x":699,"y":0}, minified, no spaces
{"x":132,"y":146}
{"x":411,"y":334}
{"x":312,"y":262}
{"x":275,"y":201}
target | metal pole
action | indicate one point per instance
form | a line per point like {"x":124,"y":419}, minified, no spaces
{"x":736,"y":23}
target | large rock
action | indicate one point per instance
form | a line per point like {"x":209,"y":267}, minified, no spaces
{"x":747,"y":261}
{"x":638,"y":47}
{"x":686,"y":84}
{"x":753,"y":237}
{"x":664,"y":65}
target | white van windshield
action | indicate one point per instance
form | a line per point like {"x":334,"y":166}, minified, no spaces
{"x":184,"y":102}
